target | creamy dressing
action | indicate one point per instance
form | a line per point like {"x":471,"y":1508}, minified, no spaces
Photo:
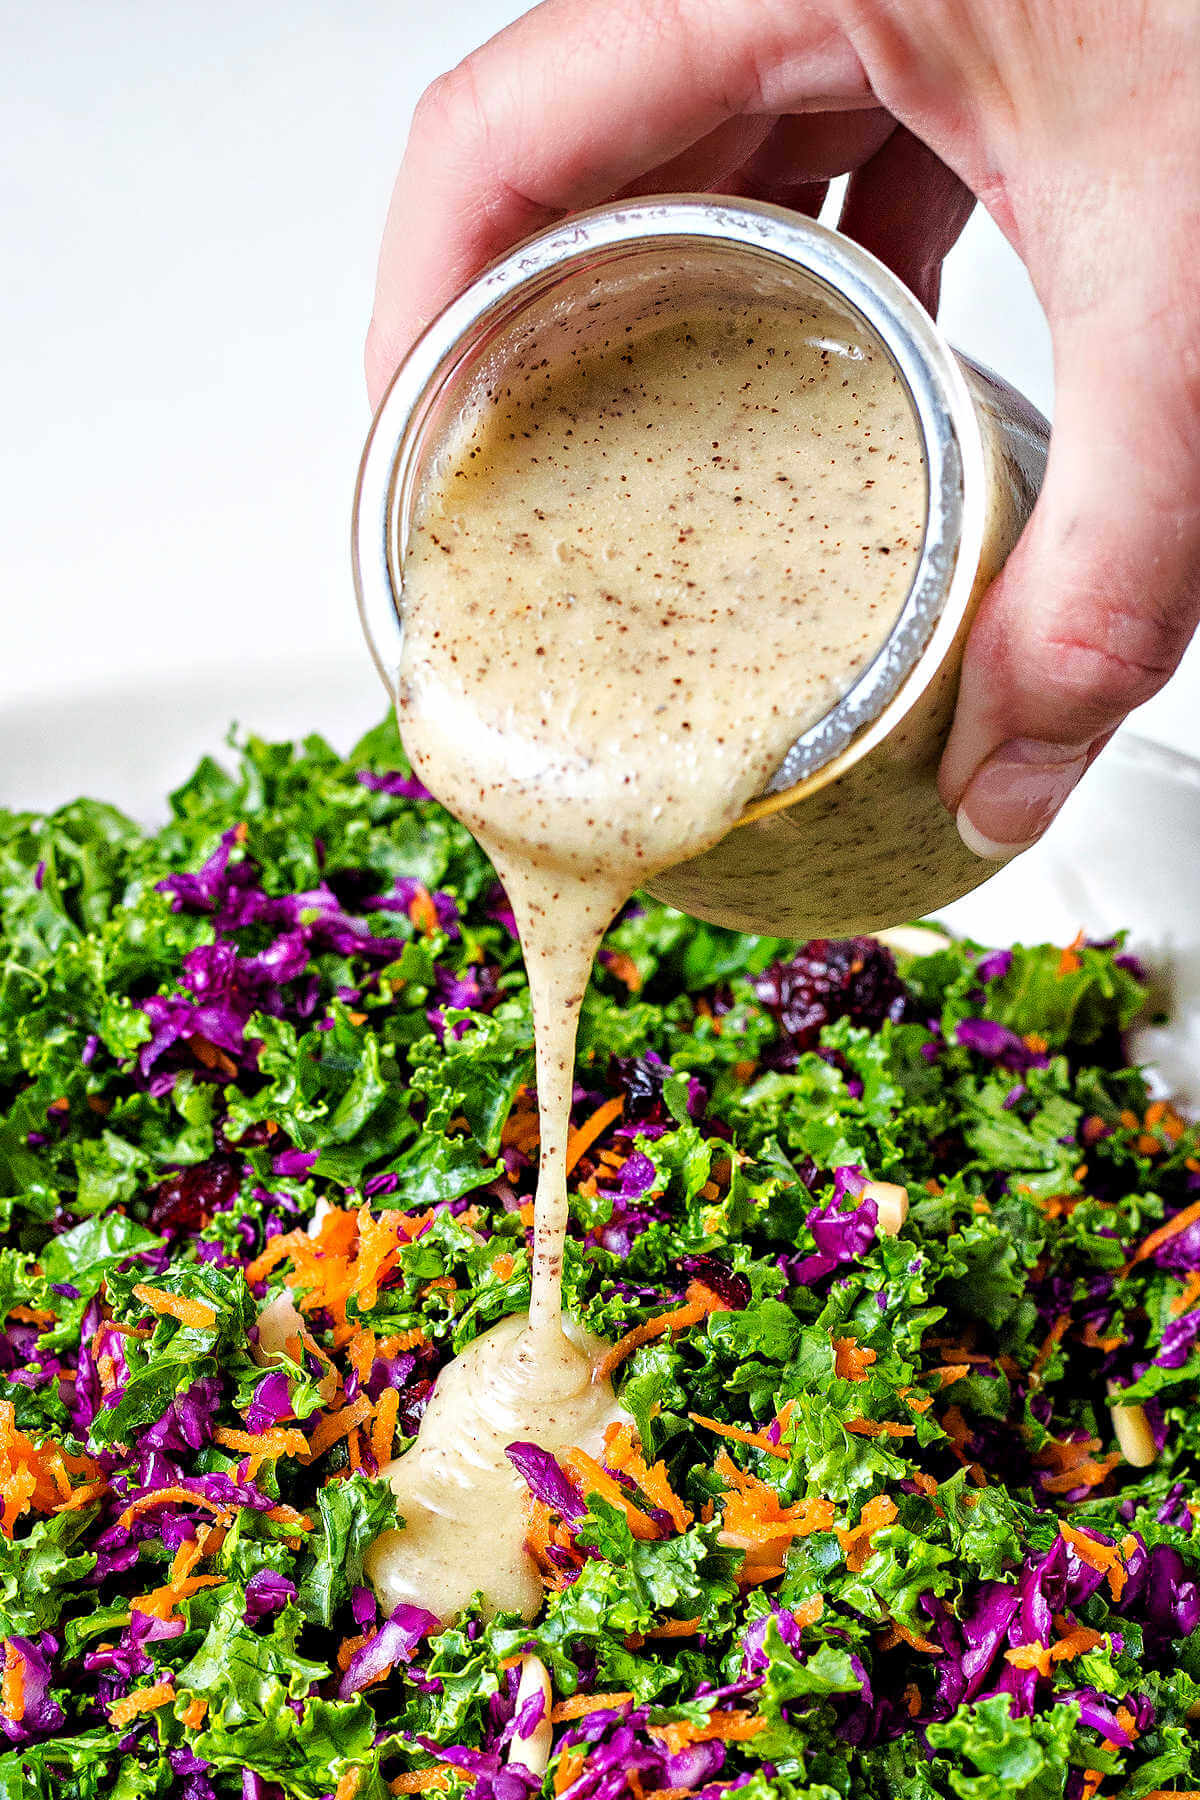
{"x":463,"y":1503}
{"x":633,"y":577}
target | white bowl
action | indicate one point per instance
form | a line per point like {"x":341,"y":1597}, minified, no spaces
{"x":1124,"y":854}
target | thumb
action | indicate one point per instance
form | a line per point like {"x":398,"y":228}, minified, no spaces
{"x":1096,"y":606}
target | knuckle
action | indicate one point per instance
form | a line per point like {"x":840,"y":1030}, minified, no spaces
{"x":1099,"y":672}
{"x":449,"y":109}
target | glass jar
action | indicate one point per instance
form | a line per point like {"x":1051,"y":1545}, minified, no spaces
{"x":849,"y":834}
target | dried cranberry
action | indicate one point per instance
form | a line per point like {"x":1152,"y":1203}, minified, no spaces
{"x":641,"y":1081}
{"x":352,"y":886}
{"x":728,"y":1284}
{"x":413,"y":1402}
{"x":186,"y":1200}
{"x":827,"y":979}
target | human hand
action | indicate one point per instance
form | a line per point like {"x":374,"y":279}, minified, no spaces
{"x":1076,"y":124}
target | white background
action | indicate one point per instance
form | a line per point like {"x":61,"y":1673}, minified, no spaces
{"x":189,"y":221}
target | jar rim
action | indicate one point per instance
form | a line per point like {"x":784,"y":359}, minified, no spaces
{"x":951,"y":439}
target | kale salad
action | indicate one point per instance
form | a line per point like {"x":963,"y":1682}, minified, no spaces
{"x":900,"y":1506}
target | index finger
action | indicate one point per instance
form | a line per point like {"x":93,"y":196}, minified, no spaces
{"x":568,"y":106}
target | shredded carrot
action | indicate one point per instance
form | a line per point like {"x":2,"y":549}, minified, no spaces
{"x":756,"y":1522}
{"x":331,"y":1427}
{"x":585,"y":1135}
{"x":570,"y":1768}
{"x":192,"y":1313}
{"x":400,"y":1341}
{"x":622,"y":1451}
{"x":1076,"y":1643}
{"x":192,"y":1716}
{"x":580,"y":1705}
{"x":36,"y":1476}
{"x":165,"y":1496}
{"x":211,"y":1055}
{"x":379,"y":1244}
{"x":362,"y":1349}
{"x":83,"y":1496}
{"x":1104,"y":1557}
{"x":592,"y":1479}
{"x":874,"y":1428}
{"x":31,"y":1315}
{"x":383,"y":1431}
{"x":503,"y":1265}
{"x":12,"y":1685}
{"x":1030,"y":1656}
{"x":624,"y":968}
{"x":758,"y":1440}
{"x":1053,"y":1337}
{"x":418,"y":1781}
{"x":287,"y":1515}
{"x":807,"y":1612}
{"x":278,"y":1441}
{"x":348,"y":1785}
{"x":1165,"y":1233}
{"x":1090,"y":1336}
{"x":850,"y":1361}
{"x":422,"y":912}
{"x":732,"y":1727}
{"x":897,"y":1633}
{"x":1087,"y":1473}
{"x":163,"y":1602}
{"x":700,"y":1302}
{"x":127,"y":1708}
{"x":274,"y":1251}
{"x":856,"y":1539}
{"x":1069,"y":962}
{"x":1184,"y":1301}
{"x":676,"y":1628}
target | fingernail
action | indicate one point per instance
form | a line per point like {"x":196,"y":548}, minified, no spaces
{"x":1014,"y":796}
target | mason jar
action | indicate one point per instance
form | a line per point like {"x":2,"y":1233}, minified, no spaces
{"x":849,"y":834}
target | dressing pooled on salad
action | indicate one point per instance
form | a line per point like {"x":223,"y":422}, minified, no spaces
{"x":632,"y":579}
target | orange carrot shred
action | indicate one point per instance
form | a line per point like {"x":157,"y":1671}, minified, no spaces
{"x":142,"y":1700}
{"x":12,"y":1685}
{"x":874,"y":1428}
{"x":287,"y":1515}
{"x":192,"y":1716}
{"x":193,"y":1313}
{"x":850,"y":1361}
{"x":331,"y":1427}
{"x":585,"y":1135}
{"x":417,"y":1781}
{"x":1053,"y":1337}
{"x":897,"y":1633}
{"x":580,"y":1705}
{"x":758,"y":1440}
{"x":592,"y":1479}
{"x":699,"y":1303}
{"x":1185,"y":1300}
{"x":277,"y":1441}
{"x":178,"y":1496}
{"x":1165,"y":1233}
{"x":383,"y":1431}
{"x":422,"y":911}
{"x":732,"y":1727}
{"x":570,"y":1768}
